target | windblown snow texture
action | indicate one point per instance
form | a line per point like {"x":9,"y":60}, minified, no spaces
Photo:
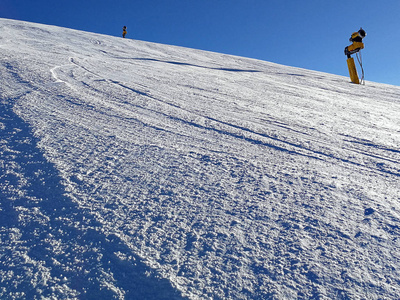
{"x":134,"y":170}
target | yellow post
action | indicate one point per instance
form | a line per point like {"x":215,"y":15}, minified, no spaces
{"x":352,"y":70}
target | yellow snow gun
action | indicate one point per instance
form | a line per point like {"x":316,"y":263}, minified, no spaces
{"x":357,"y":44}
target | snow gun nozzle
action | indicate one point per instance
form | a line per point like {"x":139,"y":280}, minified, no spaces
{"x":357,"y":44}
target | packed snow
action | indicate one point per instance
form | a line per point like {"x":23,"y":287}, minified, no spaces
{"x":135,"y":170}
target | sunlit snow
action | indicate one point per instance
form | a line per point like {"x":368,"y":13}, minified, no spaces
{"x":134,"y":170}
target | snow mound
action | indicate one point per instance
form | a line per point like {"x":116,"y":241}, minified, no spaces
{"x":134,"y":170}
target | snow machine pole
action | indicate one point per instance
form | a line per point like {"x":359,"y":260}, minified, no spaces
{"x":352,"y":70}
{"x":357,"y":44}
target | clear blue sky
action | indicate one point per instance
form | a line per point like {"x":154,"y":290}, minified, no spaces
{"x":309,"y":34}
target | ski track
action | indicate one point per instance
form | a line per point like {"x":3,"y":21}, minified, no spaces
{"x":136,"y":170}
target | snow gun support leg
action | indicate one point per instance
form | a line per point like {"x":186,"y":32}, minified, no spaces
{"x":353,"y":71}
{"x":356,"y":38}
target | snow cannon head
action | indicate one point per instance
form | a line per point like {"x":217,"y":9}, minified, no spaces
{"x":356,"y":38}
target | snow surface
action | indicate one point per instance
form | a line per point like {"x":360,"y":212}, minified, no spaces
{"x":134,"y":170}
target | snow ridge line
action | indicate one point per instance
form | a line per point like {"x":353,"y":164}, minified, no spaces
{"x":193,"y":65}
{"x":16,"y":87}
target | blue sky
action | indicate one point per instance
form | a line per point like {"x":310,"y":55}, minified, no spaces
{"x":309,"y":34}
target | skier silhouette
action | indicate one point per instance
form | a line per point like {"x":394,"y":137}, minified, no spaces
{"x":124,"y":31}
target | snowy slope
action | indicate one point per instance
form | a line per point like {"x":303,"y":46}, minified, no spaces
{"x":133,"y":170}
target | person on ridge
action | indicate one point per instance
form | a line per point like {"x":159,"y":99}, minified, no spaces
{"x":124,"y":32}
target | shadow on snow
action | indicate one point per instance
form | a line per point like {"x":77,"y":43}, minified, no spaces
{"x":56,"y":235}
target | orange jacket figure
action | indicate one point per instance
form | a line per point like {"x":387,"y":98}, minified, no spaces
{"x":124,"y":32}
